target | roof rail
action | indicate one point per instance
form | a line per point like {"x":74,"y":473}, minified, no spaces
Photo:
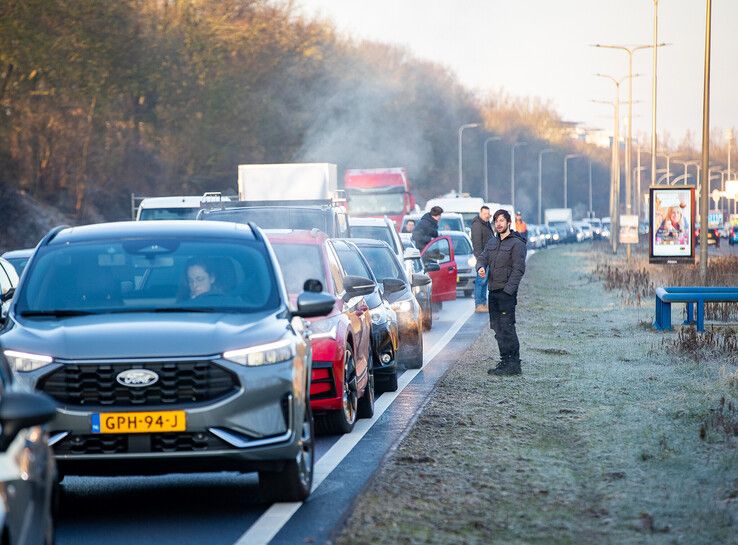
{"x":48,"y":237}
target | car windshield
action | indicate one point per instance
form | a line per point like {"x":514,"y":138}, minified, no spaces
{"x":468,"y":218}
{"x":374,"y":233}
{"x":382,"y":261}
{"x":351,"y":261}
{"x":461,"y":246}
{"x":375,"y":203}
{"x":149,"y":275}
{"x":148,"y":214}
{"x":299,"y":262}
{"x":276,"y":217}
{"x":450,"y":224}
{"x":18,"y":263}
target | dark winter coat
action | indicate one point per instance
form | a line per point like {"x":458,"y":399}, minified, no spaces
{"x":425,"y":230}
{"x":481,"y":231}
{"x":505,"y":260}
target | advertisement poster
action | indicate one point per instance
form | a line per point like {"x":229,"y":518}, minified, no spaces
{"x":628,"y":229}
{"x":672,"y":224}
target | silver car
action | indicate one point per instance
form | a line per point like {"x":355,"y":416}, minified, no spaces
{"x":465,"y":261}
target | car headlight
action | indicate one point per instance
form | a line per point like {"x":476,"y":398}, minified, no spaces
{"x":472,"y":262}
{"x":325,"y":328}
{"x":402,"y":306}
{"x":379,"y":315}
{"x":21,"y":361}
{"x":263,"y":354}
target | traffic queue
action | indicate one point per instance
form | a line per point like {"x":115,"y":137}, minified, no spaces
{"x":220,"y":343}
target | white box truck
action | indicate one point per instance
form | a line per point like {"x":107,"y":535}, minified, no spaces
{"x":561,"y":219}
{"x":288,"y":181}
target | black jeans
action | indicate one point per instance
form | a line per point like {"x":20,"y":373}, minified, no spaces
{"x":502,"y":321}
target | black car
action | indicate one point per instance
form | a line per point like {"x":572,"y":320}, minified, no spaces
{"x":398,"y":291}
{"x":169,"y":347}
{"x":385,"y":329}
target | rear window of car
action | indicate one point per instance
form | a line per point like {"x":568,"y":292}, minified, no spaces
{"x":351,"y":261}
{"x":150,"y":274}
{"x":277,"y":218}
{"x":382,"y":261}
{"x":299,"y":262}
{"x":374,"y":233}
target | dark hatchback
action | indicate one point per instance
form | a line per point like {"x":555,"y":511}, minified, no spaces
{"x":168,"y":347}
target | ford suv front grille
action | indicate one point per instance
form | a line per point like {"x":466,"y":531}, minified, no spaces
{"x":96,"y":385}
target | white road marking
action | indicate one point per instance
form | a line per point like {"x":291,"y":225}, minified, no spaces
{"x":272,"y":521}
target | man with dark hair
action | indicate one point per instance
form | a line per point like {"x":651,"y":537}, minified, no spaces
{"x":481,"y":231}
{"x":427,"y":228}
{"x":503,"y":259}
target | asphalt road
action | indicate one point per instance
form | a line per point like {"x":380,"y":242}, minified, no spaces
{"x":225,"y":508}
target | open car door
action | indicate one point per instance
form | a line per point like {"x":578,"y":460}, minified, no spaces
{"x":441,"y":252}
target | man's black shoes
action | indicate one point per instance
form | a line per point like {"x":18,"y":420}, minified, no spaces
{"x":506,"y":368}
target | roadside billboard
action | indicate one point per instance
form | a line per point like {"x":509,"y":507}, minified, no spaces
{"x":671,"y":221}
{"x":628,"y":229}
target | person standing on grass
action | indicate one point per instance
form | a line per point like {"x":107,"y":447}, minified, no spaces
{"x":481,"y":232}
{"x":503,"y":262}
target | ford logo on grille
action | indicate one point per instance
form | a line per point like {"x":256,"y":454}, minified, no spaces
{"x":137,"y":378}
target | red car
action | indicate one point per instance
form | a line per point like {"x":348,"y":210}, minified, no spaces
{"x":342,"y":386}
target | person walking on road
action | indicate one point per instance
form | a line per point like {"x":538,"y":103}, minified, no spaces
{"x":481,"y":232}
{"x":503,"y":262}
{"x":427,"y":228}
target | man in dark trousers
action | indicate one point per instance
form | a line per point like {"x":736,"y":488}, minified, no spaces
{"x":427,"y":228}
{"x":503,"y":260}
{"x":481,"y":232}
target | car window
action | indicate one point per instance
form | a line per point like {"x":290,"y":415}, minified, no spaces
{"x":276,"y":218}
{"x":461,"y":246}
{"x":151,"y":214}
{"x":11,"y":272}
{"x":439,"y":251}
{"x":299,"y":262}
{"x":18,"y":263}
{"x":5,"y":283}
{"x":351,"y":261}
{"x":335,"y":268}
{"x":383,"y":262}
{"x":374,"y":233}
{"x":150,"y":274}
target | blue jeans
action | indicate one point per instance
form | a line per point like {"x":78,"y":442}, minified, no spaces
{"x":480,"y":288}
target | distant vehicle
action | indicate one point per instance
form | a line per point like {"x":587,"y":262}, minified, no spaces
{"x":536,"y":236}
{"x":379,"y":192}
{"x":378,"y":229}
{"x":290,"y":196}
{"x":198,"y":313}
{"x":175,"y":208}
{"x":342,"y":385}
{"x":596,"y":224}
{"x":462,"y":204}
{"x":606,"y":227}
{"x":423,"y":293}
{"x":733,"y":235}
{"x":561,"y":220}
{"x":586,"y":229}
{"x":28,"y":470}
{"x":398,"y":289}
{"x":18,"y":258}
{"x":465,"y":261}
{"x":450,"y":221}
{"x":713,"y":236}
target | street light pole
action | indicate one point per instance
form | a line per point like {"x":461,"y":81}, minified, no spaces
{"x":566,"y":177}
{"x":486,"y":166}
{"x":540,"y":180}
{"x":461,"y":156}
{"x":653,"y":88}
{"x":512,"y":171}
{"x":705,"y":143}
{"x":590,"y":215}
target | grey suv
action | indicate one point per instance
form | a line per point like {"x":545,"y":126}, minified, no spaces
{"x":168,"y":347}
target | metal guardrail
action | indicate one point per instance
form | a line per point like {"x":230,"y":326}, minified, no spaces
{"x":692,"y":296}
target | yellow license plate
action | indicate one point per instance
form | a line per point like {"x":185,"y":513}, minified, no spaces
{"x":139,"y":422}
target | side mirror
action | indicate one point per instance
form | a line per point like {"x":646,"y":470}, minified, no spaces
{"x":357,"y":286}
{"x":392,"y":285}
{"x":420,"y":280}
{"x":432,"y":267}
{"x":8,"y":295}
{"x":20,"y":410}
{"x":310,"y":305}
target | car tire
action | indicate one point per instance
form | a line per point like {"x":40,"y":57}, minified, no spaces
{"x":365,"y":407}
{"x":468,"y":293}
{"x":342,"y":421}
{"x":295,"y":480}
{"x":388,"y":383}
{"x":416,"y":362}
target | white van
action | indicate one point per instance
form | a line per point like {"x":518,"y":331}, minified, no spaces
{"x":175,"y":208}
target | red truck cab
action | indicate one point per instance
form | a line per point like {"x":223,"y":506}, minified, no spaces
{"x":379,"y":193}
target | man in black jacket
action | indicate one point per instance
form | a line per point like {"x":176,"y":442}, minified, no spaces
{"x":427,"y":228}
{"x":503,"y":259}
{"x":481,"y":232}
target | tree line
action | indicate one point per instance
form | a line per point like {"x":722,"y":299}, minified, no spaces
{"x":166,"y":97}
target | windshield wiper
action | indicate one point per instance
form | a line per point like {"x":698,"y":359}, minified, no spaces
{"x":59,"y":313}
{"x":185,"y":309}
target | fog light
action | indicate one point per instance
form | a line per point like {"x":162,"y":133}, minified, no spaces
{"x":386,"y":358}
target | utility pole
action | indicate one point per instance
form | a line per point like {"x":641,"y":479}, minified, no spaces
{"x":591,"y":214}
{"x":486,"y":166}
{"x":540,"y":181}
{"x":705,"y":145}
{"x":653,"y":88}
{"x":512,"y":172}
{"x":461,"y":155}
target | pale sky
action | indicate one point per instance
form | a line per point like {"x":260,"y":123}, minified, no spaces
{"x":541,"y":48}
